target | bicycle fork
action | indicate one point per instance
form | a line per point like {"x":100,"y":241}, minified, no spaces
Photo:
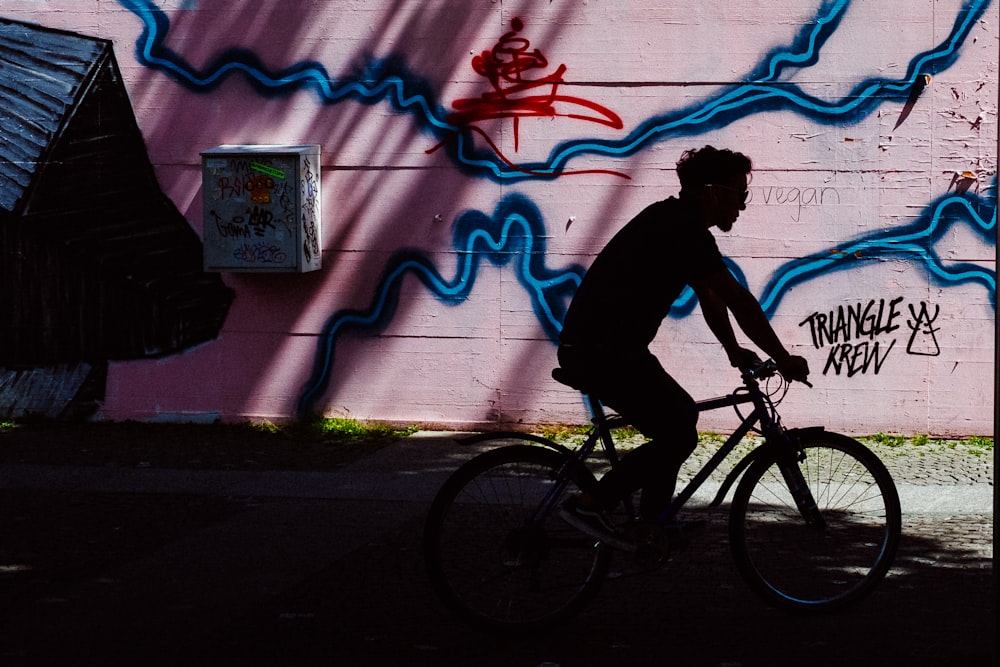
{"x":789,"y":458}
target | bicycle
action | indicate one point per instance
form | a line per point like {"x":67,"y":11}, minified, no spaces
{"x":814,"y":521}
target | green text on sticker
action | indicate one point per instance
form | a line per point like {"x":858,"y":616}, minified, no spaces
{"x":270,"y":171}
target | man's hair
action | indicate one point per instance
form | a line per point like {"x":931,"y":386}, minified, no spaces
{"x":701,"y":166}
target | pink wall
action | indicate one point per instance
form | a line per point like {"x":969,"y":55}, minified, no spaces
{"x":858,"y":195}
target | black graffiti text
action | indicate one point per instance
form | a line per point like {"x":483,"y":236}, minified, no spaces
{"x":234,"y":229}
{"x":859,"y":337}
{"x":256,"y":223}
{"x":856,"y":321}
{"x":923,"y":340}
{"x":857,"y":357}
{"x":793,"y":196}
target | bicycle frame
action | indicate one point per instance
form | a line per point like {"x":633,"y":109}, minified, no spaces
{"x":758,"y":414}
{"x":763,"y":413}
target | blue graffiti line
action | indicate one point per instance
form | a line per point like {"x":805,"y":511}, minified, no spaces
{"x":389,"y":79}
{"x":381,"y":79}
{"x":764,"y":93}
{"x":913,"y":242}
{"x":805,"y":49}
{"x":516,"y":231}
{"x":514,"y":234}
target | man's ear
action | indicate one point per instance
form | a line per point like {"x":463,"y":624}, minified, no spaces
{"x":705,"y":198}
{"x":697,"y":194}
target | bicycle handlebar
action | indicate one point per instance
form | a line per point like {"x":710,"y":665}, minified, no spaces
{"x":766,"y":369}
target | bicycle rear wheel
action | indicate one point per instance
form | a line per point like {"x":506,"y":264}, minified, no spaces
{"x":494,"y":559}
{"x":816,"y":564}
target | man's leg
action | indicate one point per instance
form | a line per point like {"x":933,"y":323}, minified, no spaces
{"x":652,"y":401}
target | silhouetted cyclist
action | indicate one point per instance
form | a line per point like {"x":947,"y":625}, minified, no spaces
{"x":618,"y":309}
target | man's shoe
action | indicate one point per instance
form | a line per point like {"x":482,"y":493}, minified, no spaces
{"x":595,"y":523}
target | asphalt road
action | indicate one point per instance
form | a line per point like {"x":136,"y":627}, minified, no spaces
{"x":186,"y":567}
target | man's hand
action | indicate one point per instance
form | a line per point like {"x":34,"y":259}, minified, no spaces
{"x":743,"y":358}
{"x":794,"y":368}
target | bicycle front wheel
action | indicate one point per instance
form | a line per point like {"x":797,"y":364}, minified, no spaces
{"x":494,"y":554}
{"x":831,"y":555}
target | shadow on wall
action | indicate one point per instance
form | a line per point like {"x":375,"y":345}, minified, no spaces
{"x":97,"y":263}
{"x":185,"y":48}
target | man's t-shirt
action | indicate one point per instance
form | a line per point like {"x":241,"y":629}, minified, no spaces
{"x":635,"y":280}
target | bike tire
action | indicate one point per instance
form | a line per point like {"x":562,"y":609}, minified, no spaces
{"x":487,"y":564}
{"x":816,"y":568}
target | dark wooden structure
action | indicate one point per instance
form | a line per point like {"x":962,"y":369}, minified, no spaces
{"x":96,"y":263}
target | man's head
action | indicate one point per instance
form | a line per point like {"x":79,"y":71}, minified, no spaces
{"x":717,"y":180}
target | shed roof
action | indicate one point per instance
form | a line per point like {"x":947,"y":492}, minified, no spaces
{"x":43,"y":75}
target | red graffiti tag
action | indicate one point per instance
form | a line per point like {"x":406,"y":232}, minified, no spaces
{"x":516,"y":96}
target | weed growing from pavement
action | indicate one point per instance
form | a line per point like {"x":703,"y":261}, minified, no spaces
{"x":899,"y":445}
{"x":338,"y":429}
{"x":921,"y":445}
{"x":574,"y":435}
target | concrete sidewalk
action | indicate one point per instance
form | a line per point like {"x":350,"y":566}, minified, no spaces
{"x":310,"y":568}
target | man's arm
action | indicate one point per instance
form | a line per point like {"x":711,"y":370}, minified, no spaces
{"x":719,"y":294}
{"x":717,"y":317}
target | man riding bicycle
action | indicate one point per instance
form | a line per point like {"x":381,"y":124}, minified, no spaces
{"x":617,"y":311}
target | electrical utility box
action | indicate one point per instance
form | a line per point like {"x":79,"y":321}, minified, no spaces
{"x":262,"y":208}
